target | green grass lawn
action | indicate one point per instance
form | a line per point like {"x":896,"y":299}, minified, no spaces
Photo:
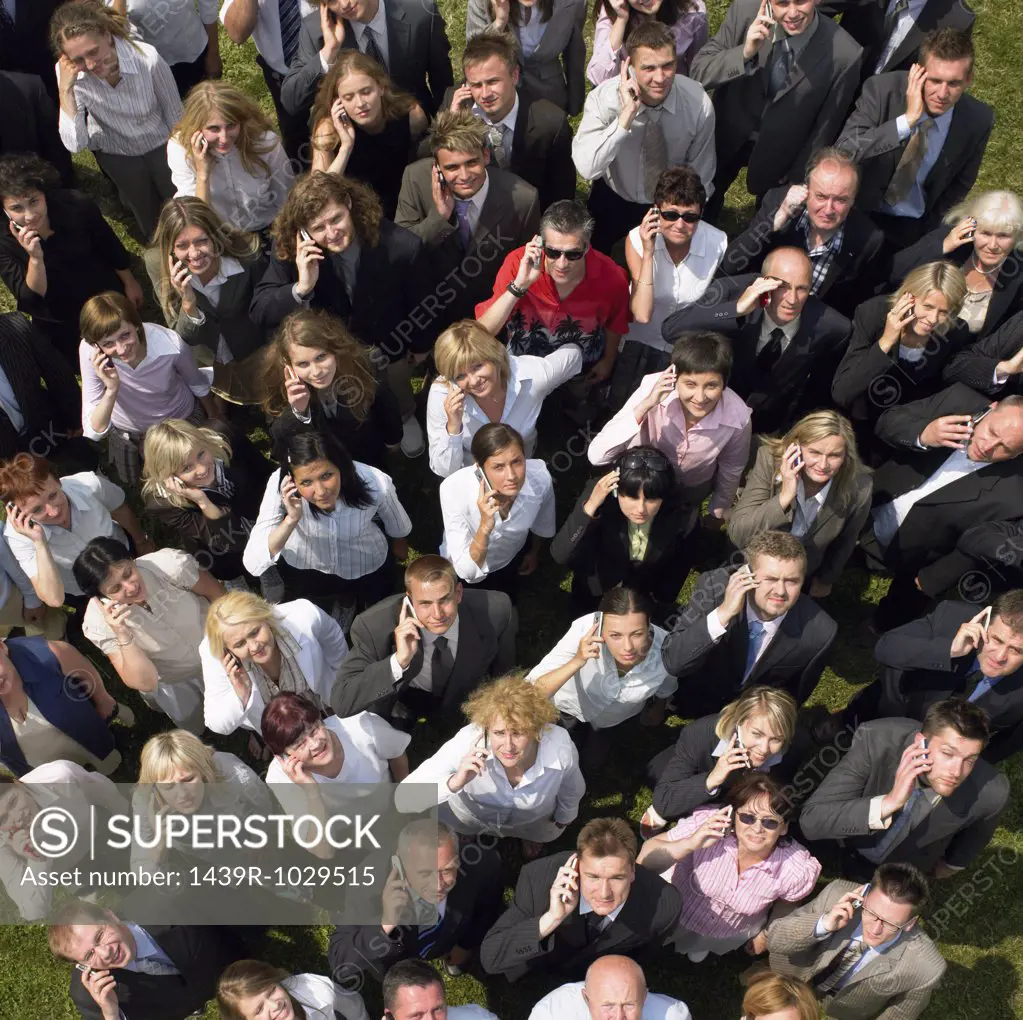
{"x":977,"y":917}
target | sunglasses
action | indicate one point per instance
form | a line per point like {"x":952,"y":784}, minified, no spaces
{"x":770,"y":824}
{"x":643,"y":458}
{"x":671,"y":215}
{"x":572,"y":254}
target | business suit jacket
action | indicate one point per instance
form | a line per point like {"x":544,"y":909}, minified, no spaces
{"x":872,"y":138}
{"x":26,"y":44}
{"x":926,"y":543}
{"x":796,"y":379}
{"x":200,"y":952}
{"x":542,"y":71}
{"x":417,"y":49}
{"x":472,"y":906}
{"x":597,"y":548}
{"x":955,"y":830}
{"x":806,"y":113}
{"x":851,"y":273}
{"x":509,"y":218}
{"x":487,"y":626}
{"x":897,"y":985}
{"x":832,"y":536}
{"x":918,"y":670}
{"x":974,"y":365}
{"x":28,"y":121}
{"x":792,"y":661}
{"x":512,"y":946}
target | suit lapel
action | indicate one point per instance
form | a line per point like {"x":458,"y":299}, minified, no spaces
{"x":490,"y":215}
{"x":469,"y":653}
{"x":399,"y":36}
{"x":807,"y":60}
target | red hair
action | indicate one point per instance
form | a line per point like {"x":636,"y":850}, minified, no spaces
{"x":24,"y":475}
{"x":285,"y":719}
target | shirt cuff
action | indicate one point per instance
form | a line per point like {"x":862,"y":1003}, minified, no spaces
{"x":999,"y":378}
{"x":874,"y":819}
{"x":903,"y":128}
{"x":196,"y":321}
{"x":299,"y":300}
{"x":715,"y":628}
{"x":324,"y":66}
{"x":820,"y":932}
{"x":396,"y":670}
{"x":918,"y":444}
{"x":305,"y":417}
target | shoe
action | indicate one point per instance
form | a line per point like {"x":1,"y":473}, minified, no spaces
{"x":452,"y":969}
{"x":698,"y":956}
{"x":413,"y":442}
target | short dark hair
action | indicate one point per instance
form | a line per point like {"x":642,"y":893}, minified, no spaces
{"x":297,"y":449}
{"x":1009,"y":607}
{"x":651,"y":35}
{"x":621,"y":601}
{"x":756,"y":784}
{"x":22,"y":172}
{"x":782,"y":545}
{"x":903,"y":883}
{"x":646,"y":470}
{"x":680,"y":185}
{"x":969,"y":721}
{"x":94,"y":563}
{"x":946,"y":44}
{"x":485,"y":45}
{"x":412,"y":973}
{"x":567,"y":216}
{"x":286,"y":717}
{"x":492,"y":439}
{"x":607,"y":837}
{"x":696,"y":353}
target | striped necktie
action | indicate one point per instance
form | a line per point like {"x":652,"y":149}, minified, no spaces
{"x":291,"y":22}
{"x":371,"y":48}
{"x":831,"y":978}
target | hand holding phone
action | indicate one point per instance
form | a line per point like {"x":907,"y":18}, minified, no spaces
{"x":858,"y":902}
{"x":567,"y":881}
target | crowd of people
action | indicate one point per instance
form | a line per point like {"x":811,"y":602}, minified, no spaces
{"x":835,"y":385}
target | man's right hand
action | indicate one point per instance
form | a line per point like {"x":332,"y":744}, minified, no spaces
{"x":915,"y":762}
{"x":102,"y":986}
{"x":915,"y":108}
{"x":951,"y":430}
{"x":843,"y":911}
{"x":739,"y":584}
{"x":761,"y":29}
{"x":308,"y":256}
{"x":333,"y":29}
{"x":443,"y":200}
{"x":564,"y":892}
{"x":461,"y":95}
{"x":751,"y":295}
{"x":791,"y":204}
{"x":406,"y":636}
{"x":971,"y":635}
{"x":394,"y":902}
{"x":629,"y":102}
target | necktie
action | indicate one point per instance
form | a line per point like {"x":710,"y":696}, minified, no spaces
{"x":771,"y":351}
{"x":291,"y":24}
{"x":906,"y":172}
{"x":831,"y":978}
{"x":464,"y":226}
{"x":981,"y":685}
{"x":157,"y":968}
{"x":653,"y":153}
{"x":892,"y":17}
{"x":594,"y":925}
{"x":495,"y":140}
{"x":781,"y":64}
{"x":427,"y":938}
{"x":878,"y":853}
{"x":441,"y":665}
{"x":370,"y":47}
{"x":756,"y":639}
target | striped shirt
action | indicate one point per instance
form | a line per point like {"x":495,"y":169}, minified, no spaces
{"x":719,"y":902}
{"x":130,"y":119}
{"x":345,"y":542}
{"x":823,"y":255}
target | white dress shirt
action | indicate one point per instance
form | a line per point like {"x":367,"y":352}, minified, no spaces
{"x":805,"y":511}
{"x":532,"y":511}
{"x":717,"y":630}
{"x":378,"y":24}
{"x":174,"y":27}
{"x":913,"y":204}
{"x":905,"y":22}
{"x":267,"y":33}
{"x":247,"y":201}
{"x":768,"y":326}
{"x":346,"y":542}
{"x":130,"y":119}
{"x":423,"y":680}
{"x":891,"y":516}
{"x":598,"y":694}
{"x":676,"y":286}
{"x":601,"y":148}
{"x":567,"y":1003}
{"x":530,"y":381}
{"x":321,"y":998}
{"x":211,"y":291}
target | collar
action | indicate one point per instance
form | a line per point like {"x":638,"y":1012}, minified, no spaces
{"x":127,"y":57}
{"x":789,"y":329}
{"x":770,"y":626}
{"x":798,"y":43}
{"x":228,"y":267}
{"x":722,"y":748}
{"x":857,"y":936}
{"x":480,"y":197}
{"x":671,"y":100}
{"x":451,"y":634}
{"x":145,"y":946}
{"x":585,"y":907}
{"x":378,"y":22}
{"x":508,"y":120}
{"x":818,"y":499}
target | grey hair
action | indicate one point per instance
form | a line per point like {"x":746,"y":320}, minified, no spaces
{"x":423,"y":829}
{"x":832,"y":154}
{"x":1000,"y":211}
{"x":568,"y":217}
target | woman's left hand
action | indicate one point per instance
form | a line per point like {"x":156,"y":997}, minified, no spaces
{"x":961,"y":233}
{"x":295,"y":769}
{"x":342,"y":125}
{"x":713,"y":829}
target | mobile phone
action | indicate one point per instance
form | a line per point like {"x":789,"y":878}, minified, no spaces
{"x":481,"y":476}
{"x":407,"y":603}
{"x":769,"y":10}
{"x":738,"y":740}
{"x":972,"y":232}
{"x":396,"y":864}
{"x":986,"y":622}
{"x":731,"y":817}
{"x":440,"y":178}
{"x":858,"y":902}
{"x":304,"y":234}
{"x":598,"y":621}
{"x":980,"y":415}
{"x":536,"y":240}
{"x":573,"y":863}
{"x":84,"y":968}
{"x":18,"y":228}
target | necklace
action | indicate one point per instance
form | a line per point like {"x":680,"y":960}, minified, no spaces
{"x":988,"y":274}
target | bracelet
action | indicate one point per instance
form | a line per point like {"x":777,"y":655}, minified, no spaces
{"x":518,"y":292}
{"x":124,"y":644}
{"x":646,"y":283}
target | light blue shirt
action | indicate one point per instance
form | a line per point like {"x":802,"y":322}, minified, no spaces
{"x":871,"y":952}
{"x":9,"y":403}
{"x":985,"y":684}
{"x":146,"y":949}
{"x":912,"y":205}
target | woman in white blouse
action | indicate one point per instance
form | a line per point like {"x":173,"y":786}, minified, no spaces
{"x":479,"y":382}
{"x":224,"y":150}
{"x":317,"y":524}
{"x":672,"y":257}
{"x":253,"y":990}
{"x":510,"y":771}
{"x":491,"y":509}
{"x":253,"y":650}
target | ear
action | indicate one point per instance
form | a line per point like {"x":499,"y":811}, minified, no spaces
{"x":459,"y":592}
{"x":910,"y":925}
{"x":486,"y":156}
{"x":516,"y":75}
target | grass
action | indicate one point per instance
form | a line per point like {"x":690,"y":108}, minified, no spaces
{"x":977,"y":918}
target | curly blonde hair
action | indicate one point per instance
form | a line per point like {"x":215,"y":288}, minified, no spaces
{"x":167,"y":445}
{"x":514,"y":700}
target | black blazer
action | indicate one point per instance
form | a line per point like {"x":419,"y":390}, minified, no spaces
{"x":28,"y":360}
{"x":200,"y":952}
{"x":795,"y":382}
{"x":513,"y":947}
{"x":955,"y":831}
{"x":597,"y":548}
{"x":26,"y":44}
{"x":793,"y":661}
{"x":472,"y":906}
{"x":918,"y":670}
{"x":417,"y":49}
{"x":487,"y":627}
{"x":28,"y":120}
{"x":871,"y":137}
{"x":391,"y":280}
{"x":852,"y":271}
{"x":975,"y":364}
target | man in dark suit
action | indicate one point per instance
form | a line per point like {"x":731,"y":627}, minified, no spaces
{"x":457,"y":898}
{"x":775,"y":102}
{"x":953,"y":467}
{"x":785,"y":341}
{"x":864,"y":955}
{"x":958,"y":651}
{"x":160,"y":972}
{"x":428,"y":660}
{"x":994,"y":363}
{"x":407,"y":37}
{"x":753,"y":627}
{"x":28,"y":122}
{"x":527,"y":135}
{"x":570,"y":908}
{"x":919,"y":138}
{"x":913,"y":792}
{"x":25,"y":41}
{"x":468,"y":215}
{"x":820,"y":217}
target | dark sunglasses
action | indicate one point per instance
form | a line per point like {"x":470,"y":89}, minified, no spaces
{"x":572,"y":254}
{"x":643,"y":458}
{"x":686,"y":217}
{"x":768,"y":823}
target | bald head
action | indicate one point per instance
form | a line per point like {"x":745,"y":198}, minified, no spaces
{"x":792,"y":267}
{"x":615,"y":988}
{"x":831,"y":188}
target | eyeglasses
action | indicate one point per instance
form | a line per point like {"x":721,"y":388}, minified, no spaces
{"x":770,"y":824}
{"x":307,"y":737}
{"x":887,"y":925}
{"x":572,"y":254}
{"x":643,"y":458}
{"x":671,"y":215}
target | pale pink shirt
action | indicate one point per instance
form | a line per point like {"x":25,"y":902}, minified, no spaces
{"x":717,"y":447}
{"x":720,"y":903}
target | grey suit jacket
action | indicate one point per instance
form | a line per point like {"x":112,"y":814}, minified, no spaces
{"x":542,"y":70}
{"x":897,"y":985}
{"x":955,"y":830}
{"x":832,"y":537}
{"x":805,"y":115}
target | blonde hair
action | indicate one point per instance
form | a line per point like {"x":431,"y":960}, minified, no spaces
{"x":245,"y":978}
{"x":467,"y":343}
{"x":458,"y":131}
{"x":234,"y":609}
{"x":943,"y":277}
{"x":86,"y":17}
{"x":167,"y":752}
{"x":779,"y":707}
{"x":997,"y":211}
{"x":822,"y":425}
{"x":516,"y":701}
{"x":767,"y":992}
{"x":168,"y":444}
{"x":236,"y":107}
